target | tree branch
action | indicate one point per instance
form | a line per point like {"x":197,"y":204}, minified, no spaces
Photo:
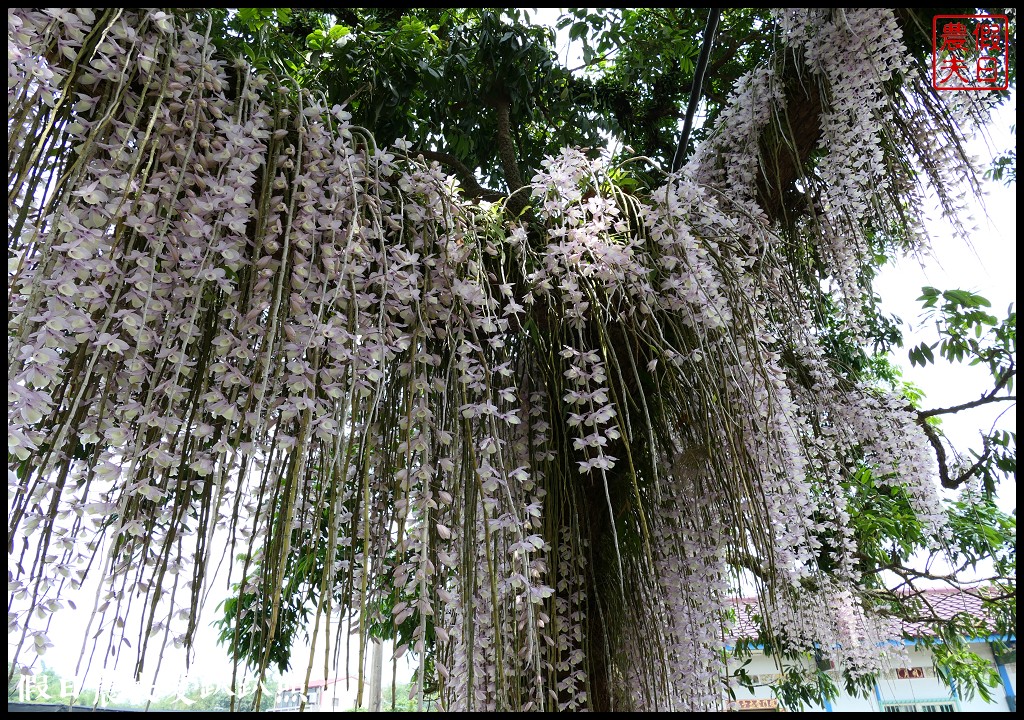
{"x":935,"y":440}
{"x":507,"y":154}
{"x":698,"y":81}
{"x":940,"y":454}
{"x":466,"y":176}
{"x":969,"y":472}
{"x":595,"y":61}
{"x":989,"y":397}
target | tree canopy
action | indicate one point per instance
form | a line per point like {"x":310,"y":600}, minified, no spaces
{"x":404,"y":321}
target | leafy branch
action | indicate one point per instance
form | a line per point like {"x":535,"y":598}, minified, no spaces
{"x":967,"y":332}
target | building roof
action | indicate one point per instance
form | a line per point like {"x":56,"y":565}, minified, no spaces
{"x":944,"y":603}
{"x":313,"y":684}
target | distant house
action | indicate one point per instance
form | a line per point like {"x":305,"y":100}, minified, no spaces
{"x":912,"y":686}
{"x":322,"y":696}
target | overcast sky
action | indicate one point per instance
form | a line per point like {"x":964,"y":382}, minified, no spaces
{"x":985,"y":263}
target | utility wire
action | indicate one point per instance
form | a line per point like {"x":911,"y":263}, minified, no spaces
{"x":695,"y":89}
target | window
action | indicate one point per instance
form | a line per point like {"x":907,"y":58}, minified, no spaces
{"x":925,"y":706}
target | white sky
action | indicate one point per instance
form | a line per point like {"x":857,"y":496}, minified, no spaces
{"x":984,"y":263}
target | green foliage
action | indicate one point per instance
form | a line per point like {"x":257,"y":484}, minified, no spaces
{"x":800,"y":688}
{"x":960,"y":317}
{"x":889,"y":534}
{"x":247,"y":617}
{"x":198,"y":697}
{"x":893,"y":540}
{"x":1004,"y":165}
{"x":432,"y":76}
{"x":640,"y":64}
{"x":805,"y":679}
{"x":402,"y":700}
{"x":983,"y":533}
{"x":969,"y":333}
{"x":436,"y":76}
{"x":244,"y":627}
{"x":960,"y":666}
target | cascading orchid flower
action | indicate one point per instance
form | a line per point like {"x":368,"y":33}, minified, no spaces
{"x":235,"y":322}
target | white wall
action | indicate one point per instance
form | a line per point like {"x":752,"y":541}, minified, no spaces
{"x":890,"y":687}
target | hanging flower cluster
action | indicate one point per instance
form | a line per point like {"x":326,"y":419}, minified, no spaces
{"x":531,"y":450}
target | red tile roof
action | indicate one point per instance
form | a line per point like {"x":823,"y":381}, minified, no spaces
{"x":944,"y":603}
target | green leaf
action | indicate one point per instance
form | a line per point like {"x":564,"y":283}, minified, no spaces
{"x":247,"y":16}
{"x":965,"y":298}
{"x":337,"y":32}
{"x":315,"y":40}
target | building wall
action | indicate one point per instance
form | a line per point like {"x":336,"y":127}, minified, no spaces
{"x":911,"y":680}
{"x":339,"y":695}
